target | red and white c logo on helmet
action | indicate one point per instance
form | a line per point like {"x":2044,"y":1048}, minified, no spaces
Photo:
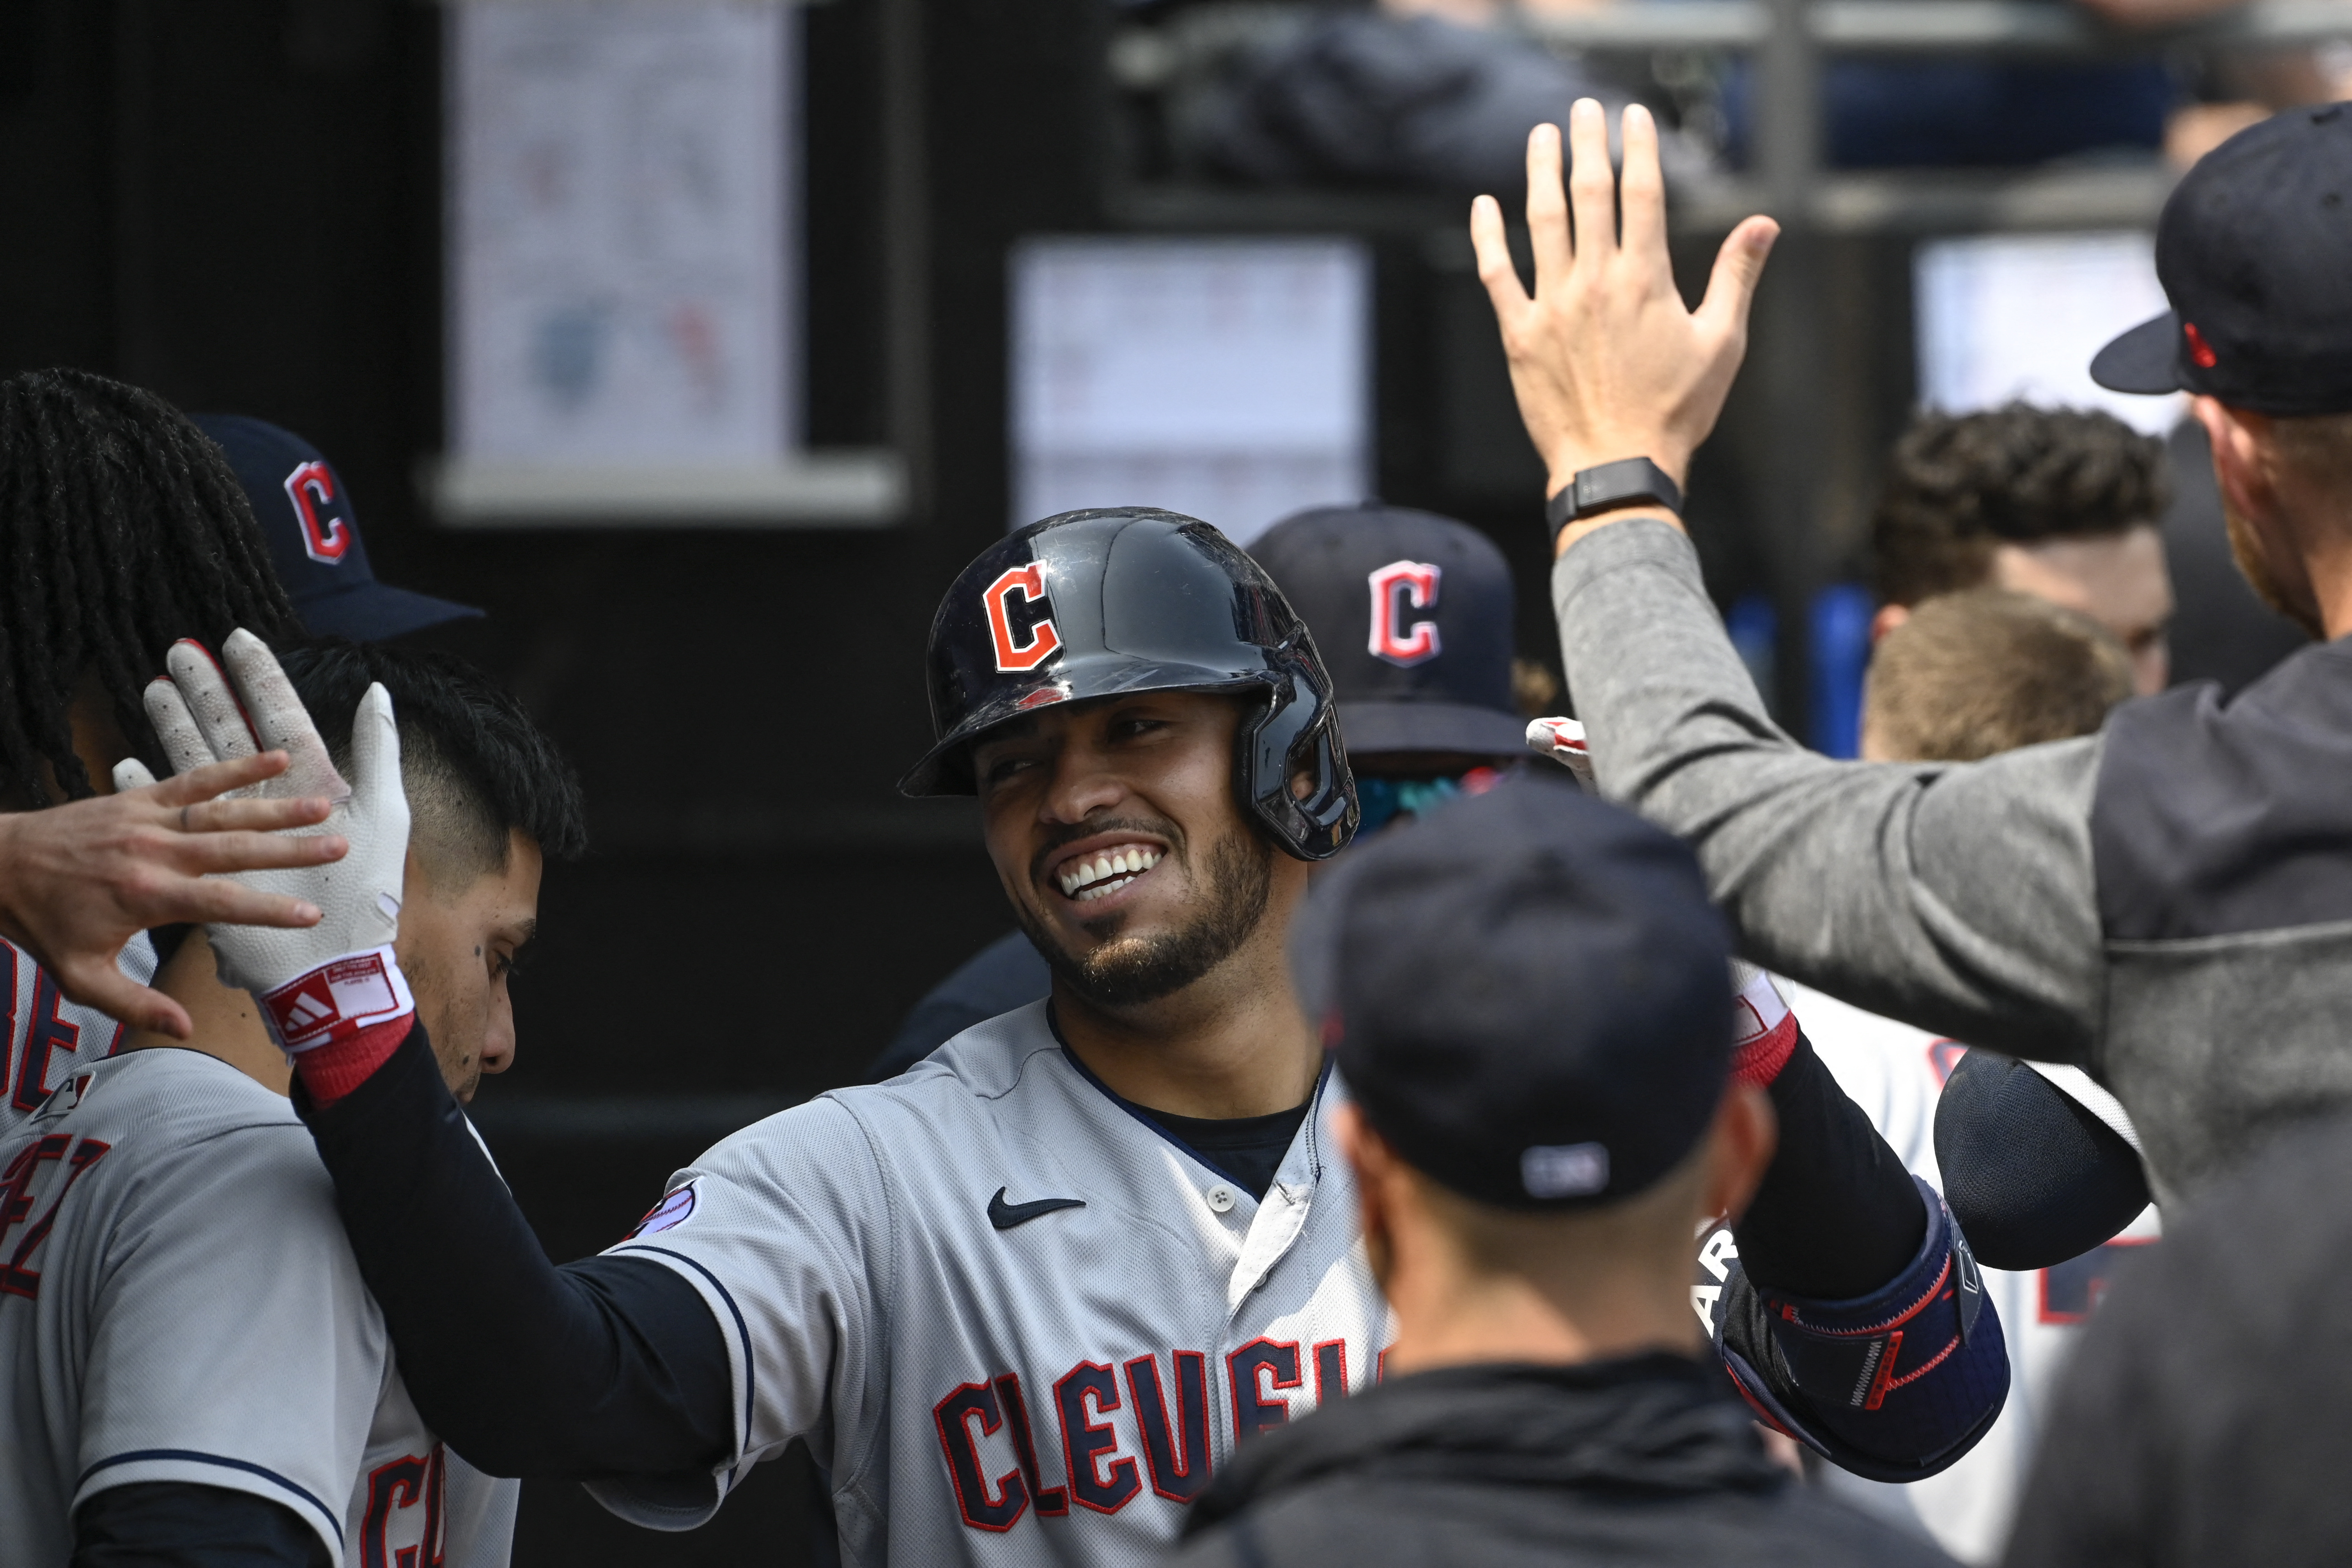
{"x":1027,"y":581}
{"x":1417,"y":582}
{"x":311,"y":486}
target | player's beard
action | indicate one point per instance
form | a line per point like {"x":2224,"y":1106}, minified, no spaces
{"x":2246,"y":550}
{"x":1237,"y":879}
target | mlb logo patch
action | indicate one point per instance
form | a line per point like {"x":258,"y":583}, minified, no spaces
{"x":668,"y":1215}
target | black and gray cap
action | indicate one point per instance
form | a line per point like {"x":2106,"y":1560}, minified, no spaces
{"x":2251,"y":250}
{"x":1530,"y":993}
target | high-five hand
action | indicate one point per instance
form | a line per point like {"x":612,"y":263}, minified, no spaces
{"x":1606,"y":361}
{"x":338,"y":977}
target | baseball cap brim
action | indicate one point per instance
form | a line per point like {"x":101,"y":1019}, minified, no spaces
{"x":1372,"y":728}
{"x":2143,"y":359}
{"x":372,"y":612}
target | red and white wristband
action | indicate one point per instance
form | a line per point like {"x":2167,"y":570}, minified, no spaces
{"x":1764,"y":1032}
{"x":342,"y":1021}
{"x":337,"y":1000}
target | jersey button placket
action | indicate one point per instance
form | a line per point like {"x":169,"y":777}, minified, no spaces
{"x":1220,"y":1198}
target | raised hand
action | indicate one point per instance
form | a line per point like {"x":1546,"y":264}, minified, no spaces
{"x":1605,"y":359}
{"x":78,"y":881}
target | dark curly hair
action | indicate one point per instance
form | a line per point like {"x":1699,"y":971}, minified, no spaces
{"x":1960,"y":484}
{"x":124,"y":530}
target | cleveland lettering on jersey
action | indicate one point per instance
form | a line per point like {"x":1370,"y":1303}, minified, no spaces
{"x":991,"y":1447}
{"x":969,"y":1378}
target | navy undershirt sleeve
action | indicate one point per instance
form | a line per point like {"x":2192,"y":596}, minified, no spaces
{"x":180,"y":1525}
{"x":612,"y":1365}
{"x":1837,"y":1215}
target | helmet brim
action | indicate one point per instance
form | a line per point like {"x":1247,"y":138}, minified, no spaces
{"x":945,"y":769}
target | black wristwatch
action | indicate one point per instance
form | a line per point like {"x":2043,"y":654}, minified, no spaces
{"x":1609,"y":486}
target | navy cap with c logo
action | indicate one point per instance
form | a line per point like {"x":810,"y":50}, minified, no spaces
{"x":1412,"y":612}
{"x":314,"y":536}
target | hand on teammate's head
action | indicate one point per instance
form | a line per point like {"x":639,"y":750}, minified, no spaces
{"x":1605,"y":359}
{"x":78,"y":881}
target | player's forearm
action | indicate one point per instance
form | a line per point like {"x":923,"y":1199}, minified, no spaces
{"x":1837,"y":1215}
{"x":1958,"y":899}
{"x":1856,"y":1318}
{"x":613,"y":1366}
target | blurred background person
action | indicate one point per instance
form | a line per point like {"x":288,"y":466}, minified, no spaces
{"x":2057,"y":502}
{"x":1985,"y":670}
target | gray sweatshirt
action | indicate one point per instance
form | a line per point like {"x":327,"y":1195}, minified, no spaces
{"x":2166,"y":903}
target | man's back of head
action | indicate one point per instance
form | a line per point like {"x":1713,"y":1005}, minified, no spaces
{"x":1973,"y":674}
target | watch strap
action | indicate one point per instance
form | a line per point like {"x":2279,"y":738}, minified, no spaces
{"x":1607,"y":486}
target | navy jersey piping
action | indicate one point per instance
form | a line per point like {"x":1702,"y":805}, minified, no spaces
{"x":1314,"y":1103}
{"x":137,"y":1456}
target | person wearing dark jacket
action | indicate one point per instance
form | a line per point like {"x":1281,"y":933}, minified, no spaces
{"x":1529,"y":994}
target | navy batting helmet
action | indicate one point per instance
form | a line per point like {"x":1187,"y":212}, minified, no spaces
{"x":1101,"y":604}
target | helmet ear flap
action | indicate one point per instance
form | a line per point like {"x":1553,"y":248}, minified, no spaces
{"x":1297,"y":733}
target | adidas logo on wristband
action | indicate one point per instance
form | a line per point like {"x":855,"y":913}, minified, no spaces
{"x":337,"y":1000}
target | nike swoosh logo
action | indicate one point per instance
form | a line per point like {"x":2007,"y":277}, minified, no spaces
{"x":1004,"y":1216}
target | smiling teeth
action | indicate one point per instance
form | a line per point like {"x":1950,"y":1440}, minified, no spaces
{"x":1087,"y":880}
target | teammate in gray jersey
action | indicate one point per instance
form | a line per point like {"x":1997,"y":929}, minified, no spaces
{"x":194,"y":1346}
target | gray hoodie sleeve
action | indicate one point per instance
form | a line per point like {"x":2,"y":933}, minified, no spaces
{"x":1956,"y":897}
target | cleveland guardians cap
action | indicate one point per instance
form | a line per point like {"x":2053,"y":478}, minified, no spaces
{"x":314,"y":536}
{"x":1413,"y":614}
{"x":2251,"y":253}
{"x":1530,"y":994}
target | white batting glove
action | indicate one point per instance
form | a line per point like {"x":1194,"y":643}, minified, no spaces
{"x":330,"y":981}
{"x":1563,"y":740}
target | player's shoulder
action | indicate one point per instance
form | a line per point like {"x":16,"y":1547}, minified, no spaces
{"x":165,"y":1090}
{"x":959,"y":1091}
{"x":161,"y":1107}
{"x":988,"y":1061}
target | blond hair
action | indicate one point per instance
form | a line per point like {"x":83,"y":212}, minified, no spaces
{"x":1971,"y":674}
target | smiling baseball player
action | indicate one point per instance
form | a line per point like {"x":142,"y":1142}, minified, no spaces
{"x":1025,"y":1300}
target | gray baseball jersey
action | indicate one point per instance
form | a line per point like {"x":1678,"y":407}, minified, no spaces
{"x":48,"y":1036}
{"x":1016,"y":1321}
{"x":178,"y":1303}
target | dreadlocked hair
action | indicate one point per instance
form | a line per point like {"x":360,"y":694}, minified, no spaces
{"x":124,"y":530}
